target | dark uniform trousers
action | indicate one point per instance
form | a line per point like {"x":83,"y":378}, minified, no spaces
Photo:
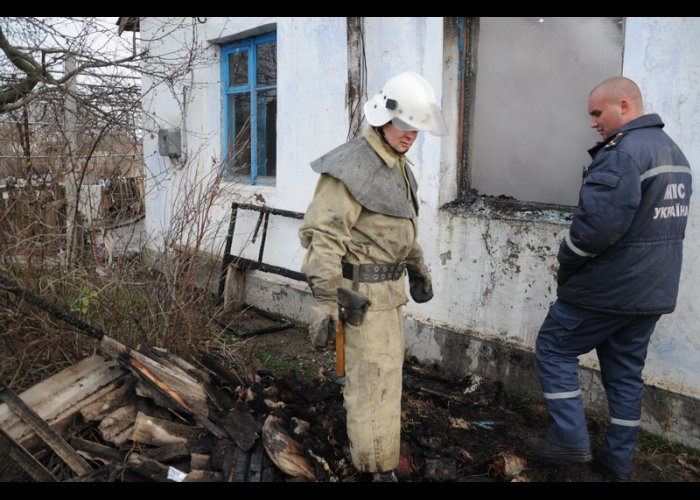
{"x":621,"y":343}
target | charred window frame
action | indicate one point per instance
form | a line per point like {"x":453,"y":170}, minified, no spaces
{"x":249,"y":82}
{"x":469,"y":31}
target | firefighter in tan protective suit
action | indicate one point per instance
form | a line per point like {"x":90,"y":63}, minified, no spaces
{"x":360,"y":231}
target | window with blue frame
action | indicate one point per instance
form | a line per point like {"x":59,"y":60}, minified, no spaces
{"x":249,"y":76}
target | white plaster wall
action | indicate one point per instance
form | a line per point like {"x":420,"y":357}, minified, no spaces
{"x":394,"y":45}
{"x":398,"y":44}
{"x":490,"y":276}
{"x":312,"y":119}
{"x":159,"y":107}
{"x":661,"y":55}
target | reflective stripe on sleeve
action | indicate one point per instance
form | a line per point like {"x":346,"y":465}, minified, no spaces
{"x":576,"y":249}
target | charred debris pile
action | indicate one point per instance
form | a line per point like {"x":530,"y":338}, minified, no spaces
{"x":147,"y":414}
{"x":151,"y":416}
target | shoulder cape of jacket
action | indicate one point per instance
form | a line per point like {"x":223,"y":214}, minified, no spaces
{"x":374,"y":184}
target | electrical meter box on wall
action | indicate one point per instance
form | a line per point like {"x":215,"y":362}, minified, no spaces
{"x":169,"y":142}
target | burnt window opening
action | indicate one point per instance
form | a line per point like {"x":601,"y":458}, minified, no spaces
{"x":524,"y":85}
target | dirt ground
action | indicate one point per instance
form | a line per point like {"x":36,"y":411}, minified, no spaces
{"x":460,"y":430}
{"x":466,"y":430}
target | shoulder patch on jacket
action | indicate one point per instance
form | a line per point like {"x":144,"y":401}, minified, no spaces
{"x":613,"y":142}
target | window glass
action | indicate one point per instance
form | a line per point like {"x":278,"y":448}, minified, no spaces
{"x":250,"y":102}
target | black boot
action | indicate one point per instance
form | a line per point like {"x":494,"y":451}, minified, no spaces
{"x":607,"y":472}
{"x":543,"y":448}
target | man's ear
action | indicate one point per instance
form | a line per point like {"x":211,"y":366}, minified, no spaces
{"x":624,"y":106}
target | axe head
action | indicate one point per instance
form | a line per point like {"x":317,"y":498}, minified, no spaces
{"x":352,"y":306}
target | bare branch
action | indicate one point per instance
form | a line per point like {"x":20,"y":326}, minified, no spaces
{"x":39,"y":63}
{"x":32,"y":70}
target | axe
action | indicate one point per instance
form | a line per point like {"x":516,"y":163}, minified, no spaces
{"x":352,"y":307}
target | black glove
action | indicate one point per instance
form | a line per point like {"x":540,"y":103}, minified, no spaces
{"x":421,"y":287}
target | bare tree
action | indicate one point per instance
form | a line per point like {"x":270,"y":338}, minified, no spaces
{"x":70,"y":103}
{"x":37,"y":48}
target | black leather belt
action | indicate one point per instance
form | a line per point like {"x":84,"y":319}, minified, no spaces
{"x":374,"y":273}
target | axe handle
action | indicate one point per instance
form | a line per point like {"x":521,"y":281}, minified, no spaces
{"x":340,"y":350}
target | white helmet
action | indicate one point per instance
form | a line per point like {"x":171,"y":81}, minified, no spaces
{"x":408,"y":101}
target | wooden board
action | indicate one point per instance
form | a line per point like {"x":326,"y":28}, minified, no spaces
{"x":159,"y":432}
{"x":58,"y":398}
{"x":52,"y":438}
{"x":184,"y":389}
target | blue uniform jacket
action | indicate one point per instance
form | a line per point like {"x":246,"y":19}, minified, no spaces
{"x":624,"y":249}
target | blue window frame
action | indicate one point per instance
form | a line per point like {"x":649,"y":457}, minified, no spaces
{"x":249,"y":76}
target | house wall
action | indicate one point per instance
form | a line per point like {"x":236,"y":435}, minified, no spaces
{"x":493,"y":271}
{"x":312,"y":118}
{"x":661,"y":55}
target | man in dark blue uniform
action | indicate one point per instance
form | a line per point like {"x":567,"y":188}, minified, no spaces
{"x":619,"y":269}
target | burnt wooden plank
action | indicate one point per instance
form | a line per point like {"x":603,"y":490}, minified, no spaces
{"x":144,"y":390}
{"x":58,"y":398}
{"x":222,"y":399}
{"x":203,"y":444}
{"x":242,"y":463}
{"x":54,"y":440}
{"x":177,"y":385}
{"x":168,"y":452}
{"x":184,"y":392}
{"x":217,"y":454}
{"x":152,"y":469}
{"x":199,"y":461}
{"x":171,"y":360}
{"x":228,"y":467}
{"x":96,"y":451}
{"x":159,"y":432}
{"x":118,"y":425}
{"x":255,"y":468}
{"x":9,"y":448}
{"x":158,"y":356}
{"x":221,"y":371}
{"x":107,"y":473}
{"x":121,"y":396}
{"x":242,"y":427}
